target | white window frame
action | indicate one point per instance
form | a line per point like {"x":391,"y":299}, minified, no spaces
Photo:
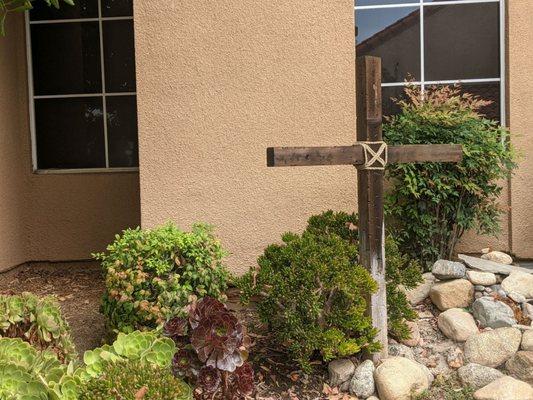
{"x":422,"y":82}
{"x":32,"y":97}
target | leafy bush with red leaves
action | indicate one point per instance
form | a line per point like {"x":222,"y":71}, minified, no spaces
{"x":212,"y":351}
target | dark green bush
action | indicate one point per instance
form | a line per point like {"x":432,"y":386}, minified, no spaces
{"x":312,"y":292}
{"x":151,"y":275}
{"x":434,"y":204}
{"x":401,"y":271}
{"x":312,"y":296}
{"x":134,"y":380}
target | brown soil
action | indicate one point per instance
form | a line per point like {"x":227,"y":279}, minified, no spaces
{"x":79,"y":287}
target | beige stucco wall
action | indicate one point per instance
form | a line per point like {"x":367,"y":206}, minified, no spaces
{"x":520,"y":70}
{"x":50,"y":217}
{"x":218,"y":82}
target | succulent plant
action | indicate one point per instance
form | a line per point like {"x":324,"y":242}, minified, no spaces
{"x":143,"y":346}
{"x":37,"y":321}
{"x":212,"y":351}
{"x":28,"y":374}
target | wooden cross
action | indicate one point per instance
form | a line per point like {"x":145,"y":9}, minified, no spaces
{"x":369,"y":155}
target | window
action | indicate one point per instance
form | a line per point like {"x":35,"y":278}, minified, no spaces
{"x":436,"y":42}
{"x":82,"y":86}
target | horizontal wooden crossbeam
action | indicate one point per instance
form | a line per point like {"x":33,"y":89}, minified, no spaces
{"x":353,"y":155}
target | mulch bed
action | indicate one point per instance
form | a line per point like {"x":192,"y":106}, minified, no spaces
{"x":79,"y":287}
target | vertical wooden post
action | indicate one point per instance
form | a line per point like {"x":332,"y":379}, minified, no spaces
{"x":370,"y":193}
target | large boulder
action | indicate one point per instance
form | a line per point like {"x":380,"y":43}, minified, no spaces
{"x":362,"y":383}
{"x":481,"y":278}
{"x":457,"y":324}
{"x":519,"y":282}
{"x":527,"y":340}
{"x":457,"y":293}
{"x":445,"y":270}
{"x":492,"y":348}
{"x":505,"y":388}
{"x":493,"y":313}
{"x":476,"y":376}
{"x":399,"y":378}
{"x":421,"y":292}
{"x":521,"y":366}
{"x":340,"y":371}
{"x":498,"y":257}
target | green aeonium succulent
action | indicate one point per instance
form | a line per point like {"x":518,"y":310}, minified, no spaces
{"x":151,"y":275}
{"x":29,"y":374}
{"x":37,"y":321}
{"x":145,"y":347}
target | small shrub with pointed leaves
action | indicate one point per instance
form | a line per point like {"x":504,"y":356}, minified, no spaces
{"x":38,"y":321}
{"x":151,"y":275}
{"x":311,"y":291}
{"x":135,"y":380}
{"x":212,"y":349}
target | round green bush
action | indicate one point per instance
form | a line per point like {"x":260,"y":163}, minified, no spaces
{"x":133,"y":380}
{"x":312,"y":292}
{"x":38,"y":321}
{"x":151,"y":275}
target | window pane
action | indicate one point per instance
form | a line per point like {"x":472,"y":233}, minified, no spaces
{"x":380,"y":2}
{"x":81,"y":9}
{"x":119,"y":56}
{"x":122,"y":131}
{"x":70,"y":133}
{"x":462,"y":41}
{"x":389,"y":94}
{"x":66,"y":58}
{"x":117,"y":8}
{"x":489,"y":92}
{"x":394,"y":35}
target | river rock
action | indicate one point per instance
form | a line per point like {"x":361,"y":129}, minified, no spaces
{"x":519,"y":282}
{"x":481,"y":278}
{"x":498,"y":257}
{"x":491,"y":266}
{"x":401,"y":350}
{"x":457,"y":293}
{"x":505,"y":388}
{"x":362,"y":383}
{"x":414,"y":334}
{"x":340,"y":371}
{"x":517,"y":297}
{"x":493,"y":313}
{"x":457,"y":324}
{"x":492,"y":348}
{"x":445,"y":270}
{"x":527,"y":340}
{"x":476,"y":376}
{"x":521,"y":366}
{"x":421,"y":292}
{"x":399,"y":378}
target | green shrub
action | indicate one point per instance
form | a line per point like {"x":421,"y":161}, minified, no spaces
{"x":151,"y":275}
{"x":134,"y":380}
{"x":401,"y":271}
{"x":312,"y":296}
{"x":433,"y":204}
{"x":312,"y":291}
{"x":37,"y":321}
